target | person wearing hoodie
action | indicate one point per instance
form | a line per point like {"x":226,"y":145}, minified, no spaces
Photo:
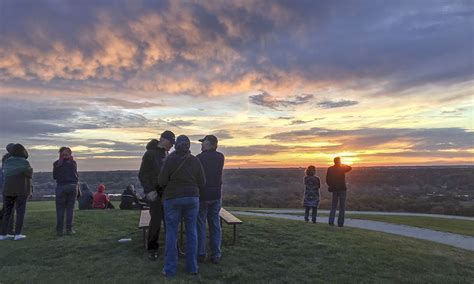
{"x":17,"y":188}
{"x":101,"y":200}
{"x":65,"y":174}
{"x":10,"y":231}
{"x":152,"y":161}
{"x":86,"y":198}
{"x":129,"y":199}
{"x":182,"y":177}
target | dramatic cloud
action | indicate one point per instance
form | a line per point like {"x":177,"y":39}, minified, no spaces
{"x":336,"y":104}
{"x":266,"y":100}
{"x":97,"y":74}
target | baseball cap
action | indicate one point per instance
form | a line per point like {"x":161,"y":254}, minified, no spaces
{"x":210,"y":138}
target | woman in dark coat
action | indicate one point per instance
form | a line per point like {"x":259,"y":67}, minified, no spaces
{"x":17,"y":188}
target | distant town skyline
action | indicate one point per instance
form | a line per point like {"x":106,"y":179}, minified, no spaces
{"x":280,"y":83}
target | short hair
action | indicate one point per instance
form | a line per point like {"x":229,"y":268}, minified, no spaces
{"x":337,"y":159}
{"x":310,"y":171}
{"x":62,"y":149}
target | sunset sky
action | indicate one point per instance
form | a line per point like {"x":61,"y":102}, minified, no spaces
{"x":280,"y":83}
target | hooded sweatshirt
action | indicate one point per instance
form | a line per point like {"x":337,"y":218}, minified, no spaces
{"x":17,"y":177}
{"x":150,"y":167}
{"x":100,"y":199}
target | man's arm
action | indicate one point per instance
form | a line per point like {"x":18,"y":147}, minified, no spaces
{"x":163,"y":178}
{"x":328,"y":177}
{"x":201,"y":176}
{"x":347,"y":168}
{"x":55,"y":170}
{"x":144,"y":172}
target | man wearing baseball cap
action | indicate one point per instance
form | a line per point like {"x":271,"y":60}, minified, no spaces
{"x":152,"y":161}
{"x":210,"y":199}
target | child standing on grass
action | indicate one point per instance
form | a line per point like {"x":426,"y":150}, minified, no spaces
{"x":311,"y":193}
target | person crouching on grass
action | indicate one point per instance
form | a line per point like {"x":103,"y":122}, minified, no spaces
{"x":311,"y":194}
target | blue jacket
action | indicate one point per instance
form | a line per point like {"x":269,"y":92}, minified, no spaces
{"x":66,"y":172}
{"x":213,"y":164}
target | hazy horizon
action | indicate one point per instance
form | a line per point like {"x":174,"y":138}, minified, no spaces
{"x":280,"y":83}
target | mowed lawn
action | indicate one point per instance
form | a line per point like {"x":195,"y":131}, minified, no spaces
{"x":463,"y":227}
{"x":268,"y":250}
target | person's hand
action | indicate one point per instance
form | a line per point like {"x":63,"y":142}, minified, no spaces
{"x":151,"y":196}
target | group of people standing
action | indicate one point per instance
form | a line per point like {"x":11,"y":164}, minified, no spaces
{"x":179,"y":186}
{"x":16,"y":184}
{"x":336,"y":181}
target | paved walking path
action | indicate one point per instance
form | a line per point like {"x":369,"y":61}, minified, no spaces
{"x":456,"y":240}
{"x":286,"y":211}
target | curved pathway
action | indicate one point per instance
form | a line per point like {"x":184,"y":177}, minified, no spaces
{"x":456,"y":240}
{"x":369,"y":213}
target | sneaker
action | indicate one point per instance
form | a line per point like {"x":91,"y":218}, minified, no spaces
{"x":331,"y":224}
{"x":340,"y":225}
{"x":19,"y":237}
{"x":314,"y":221}
{"x":70,"y":232}
{"x":306,"y":221}
{"x":153,"y":255}
{"x":3,"y":237}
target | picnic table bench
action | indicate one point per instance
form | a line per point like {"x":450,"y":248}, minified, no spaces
{"x":224,"y":215}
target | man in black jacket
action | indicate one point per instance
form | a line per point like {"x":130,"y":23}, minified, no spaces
{"x":152,"y":161}
{"x":336,"y":181}
{"x":210,"y":199}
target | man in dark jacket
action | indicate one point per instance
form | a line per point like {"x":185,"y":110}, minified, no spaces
{"x":152,"y":161}
{"x":129,"y":199}
{"x":86,"y":198}
{"x":65,"y":174}
{"x":210,"y":199}
{"x":336,"y":181}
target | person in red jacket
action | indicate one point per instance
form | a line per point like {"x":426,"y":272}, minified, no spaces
{"x":101,"y":200}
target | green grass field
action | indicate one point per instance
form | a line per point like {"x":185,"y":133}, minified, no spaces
{"x":463,"y":227}
{"x":268,"y":250}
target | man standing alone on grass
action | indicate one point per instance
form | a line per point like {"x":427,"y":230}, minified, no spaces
{"x":210,"y":199}
{"x":336,"y":181}
{"x":152,"y":161}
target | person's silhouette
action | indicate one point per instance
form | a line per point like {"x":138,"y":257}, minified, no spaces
{"x":336,"y":181}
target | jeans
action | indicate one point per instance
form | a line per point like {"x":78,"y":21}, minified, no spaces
{"x":175,"y":209}
{"x":65,"y":199}
{"x":9,"y":203}
{"x":313,"y":214}
{"x":156,"y":214}
{"x":209,"y":210}
{"x":338,"y":196}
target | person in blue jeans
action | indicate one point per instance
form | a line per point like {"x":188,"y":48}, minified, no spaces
{"x":336,"y":181}
{"x":210,"y":199}
{"x":182,"y":177}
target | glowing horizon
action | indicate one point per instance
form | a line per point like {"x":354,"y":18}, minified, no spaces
{"x":281,"y":84}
